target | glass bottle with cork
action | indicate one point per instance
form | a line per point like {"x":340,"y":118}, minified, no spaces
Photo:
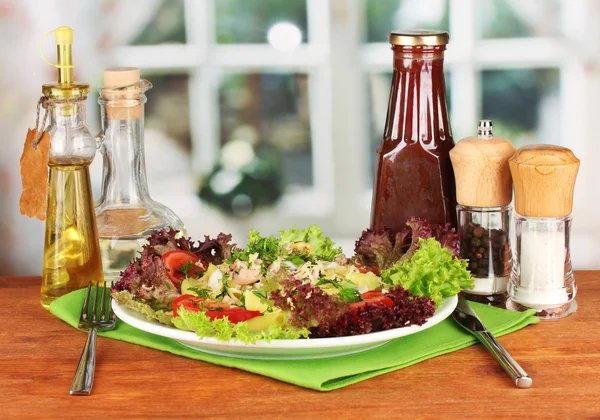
{"x":542,"y":277}
{"x":71,"y":250}
{"x":484,"y":194}
{"x":413,"y":174}
{"x":125,"y":213}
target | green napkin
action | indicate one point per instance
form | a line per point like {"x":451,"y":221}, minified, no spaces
{"x":331,"y":373}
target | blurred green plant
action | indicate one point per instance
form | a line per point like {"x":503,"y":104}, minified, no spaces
{"x":513,"y":19}
{"x":247,"y":21}
{"x":382,"y":16}
{"x":167,"y":26}
{"x":240,"y":191}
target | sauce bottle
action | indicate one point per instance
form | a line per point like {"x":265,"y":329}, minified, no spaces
{"x":542,"y":277}
{"x":484,"y":194}
{"x":413,"y":172}
{"x":71,"y":249}
{"x":126,"y":213}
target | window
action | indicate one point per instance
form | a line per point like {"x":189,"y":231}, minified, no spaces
{"x":244,"y":86}
{"x":319,"y":98}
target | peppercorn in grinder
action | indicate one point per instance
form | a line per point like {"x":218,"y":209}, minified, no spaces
{"x":484,"y":194}
{"x":542,"y":277}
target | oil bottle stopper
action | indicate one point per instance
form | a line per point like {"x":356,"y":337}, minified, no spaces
{"x":66,"y":87}
{"x":123,"y":93}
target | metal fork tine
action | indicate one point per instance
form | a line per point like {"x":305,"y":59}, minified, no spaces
{"x":111,"y":313}
{"x":95,"y":306}
{"x":86,"y":301}
{"x":103,"y":307}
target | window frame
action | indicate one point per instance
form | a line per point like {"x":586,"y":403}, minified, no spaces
{"x":337,"y":63}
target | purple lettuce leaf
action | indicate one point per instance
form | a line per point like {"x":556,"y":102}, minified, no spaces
{"x":420,"y":228}
{"x":447,"y":236}
{"x":308,"y":305}
{"x":163,"y":241}
{"x":216,"y":250}
{"x":406,"y":310}
{"x":382,"y":248}
{"x":210,"y":251}
{"x":365,"y":320}
{"x":146,"y":279}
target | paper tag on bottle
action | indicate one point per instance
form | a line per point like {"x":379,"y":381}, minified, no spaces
{"x":34,"y":175}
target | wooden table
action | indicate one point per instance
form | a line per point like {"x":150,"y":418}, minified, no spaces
{"x":38,"y":355}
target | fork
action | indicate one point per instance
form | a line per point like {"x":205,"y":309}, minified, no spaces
{"x":93,"y":321}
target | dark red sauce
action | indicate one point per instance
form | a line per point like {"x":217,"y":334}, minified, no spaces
{"x":413,"y":172}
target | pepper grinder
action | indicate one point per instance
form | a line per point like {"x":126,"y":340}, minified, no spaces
{"x":483,"y":194}
{"x":542,"y":277}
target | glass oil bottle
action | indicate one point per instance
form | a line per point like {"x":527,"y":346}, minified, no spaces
{"x":125,"y":213}
{"x":71,"y":249}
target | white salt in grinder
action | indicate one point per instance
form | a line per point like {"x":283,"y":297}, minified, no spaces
{"x":542,"y":277}
{"x":484,"y":194}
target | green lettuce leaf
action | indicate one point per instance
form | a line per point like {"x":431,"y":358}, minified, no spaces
{"x":224,"y":330}
{"x":262,"y":245}
{"x":124,"y":297}
{"x":432,"y":271}
{"x":322,"y":247}
{"x":267,"y":248}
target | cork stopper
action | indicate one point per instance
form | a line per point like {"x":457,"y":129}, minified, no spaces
{"x":544,"y":177}
{"x":122,"y":91}
{"x":121,"y":76}
{"x":481,"y":169}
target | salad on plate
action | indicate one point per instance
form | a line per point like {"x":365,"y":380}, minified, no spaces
{"x":295,"y":285}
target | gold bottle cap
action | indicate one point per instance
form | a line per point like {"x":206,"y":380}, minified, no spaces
{"x":544,"y":179}
{"x":418,"y":37}
{"x":65,"y":88}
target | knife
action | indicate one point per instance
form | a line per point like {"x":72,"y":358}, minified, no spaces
{"x":468,"y":319}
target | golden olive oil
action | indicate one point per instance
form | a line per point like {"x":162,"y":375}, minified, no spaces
{"x":71,"y":255}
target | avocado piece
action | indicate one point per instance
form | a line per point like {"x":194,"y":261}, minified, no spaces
{"x":191,"y":283}
{"x":253,"y":302}
{"x":201,"y":283}
{"x":368,"y":281}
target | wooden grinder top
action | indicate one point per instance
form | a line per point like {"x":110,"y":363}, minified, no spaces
{"x":481,"y":169}
{"x":544,"y":177}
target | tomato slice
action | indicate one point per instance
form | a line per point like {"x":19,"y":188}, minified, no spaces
{"x":366,"y":269}
{"x":234,"y":314}
{"x":175,"y":260}
{"x":212,"y":309}
{"x":374,"y":297}
{"x":194,"y":304}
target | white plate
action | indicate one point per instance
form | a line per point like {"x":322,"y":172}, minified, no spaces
{"x":312,"y":348}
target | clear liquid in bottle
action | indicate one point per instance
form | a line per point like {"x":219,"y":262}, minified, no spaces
{"x":117,"y":253}
{"x":122,"y":233}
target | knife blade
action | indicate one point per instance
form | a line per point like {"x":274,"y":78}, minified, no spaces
{"x":466,"y":317}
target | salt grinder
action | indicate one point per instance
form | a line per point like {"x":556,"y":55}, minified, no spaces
{"x":484,"y":194}
{"x":542,"y":277}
